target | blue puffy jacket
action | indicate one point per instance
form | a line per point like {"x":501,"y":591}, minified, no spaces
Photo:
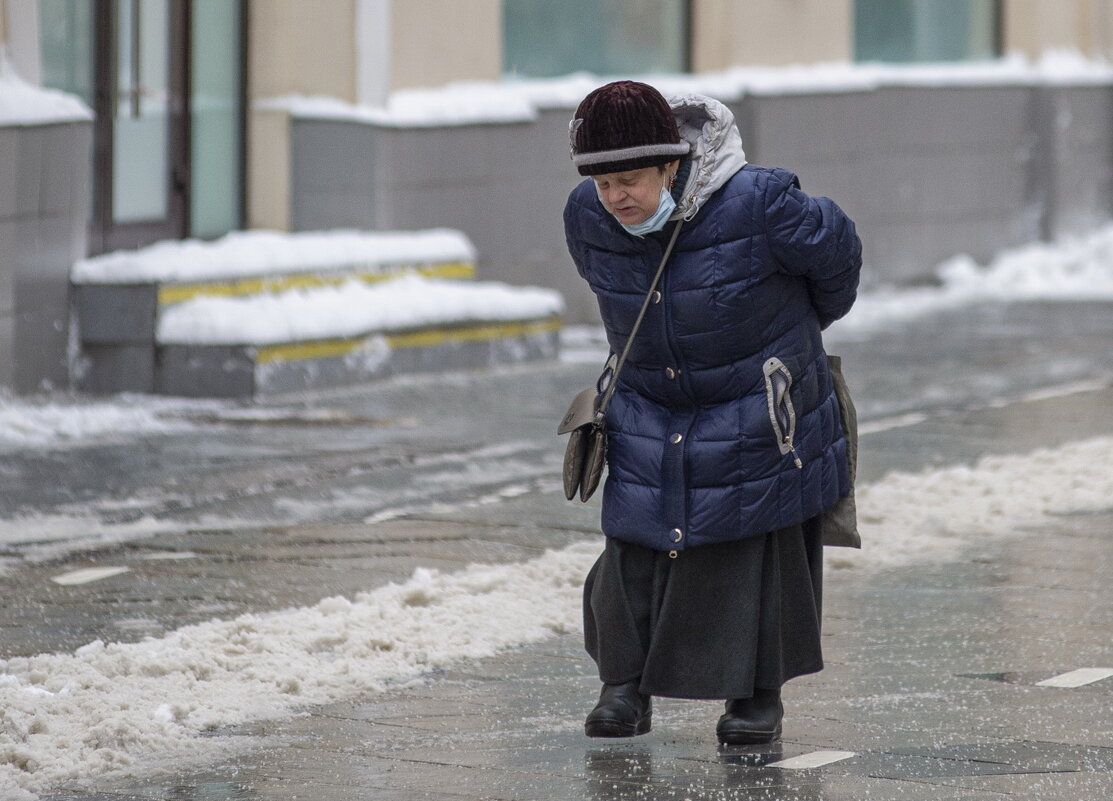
{"x":724,"y":423}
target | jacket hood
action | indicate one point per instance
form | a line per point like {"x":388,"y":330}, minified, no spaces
{"x":716,"y":154}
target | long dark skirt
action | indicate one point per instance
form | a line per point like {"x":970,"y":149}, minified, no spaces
{"x":715,"y":622}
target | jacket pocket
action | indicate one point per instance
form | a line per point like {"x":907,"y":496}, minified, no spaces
{"x":778,"y":381}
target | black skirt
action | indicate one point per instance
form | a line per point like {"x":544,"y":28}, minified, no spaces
{"x":713,"y":623}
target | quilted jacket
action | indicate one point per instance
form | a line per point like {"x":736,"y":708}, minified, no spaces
{"x":724,"y":423}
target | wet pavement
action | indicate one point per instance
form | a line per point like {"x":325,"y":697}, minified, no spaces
{"x":932,"y":685}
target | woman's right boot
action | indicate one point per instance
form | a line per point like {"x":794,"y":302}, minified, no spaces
{"x":622,"y":711}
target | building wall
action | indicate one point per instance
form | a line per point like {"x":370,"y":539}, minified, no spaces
{"x":466,"y":39}
{"x":1034,"y":26}
{"x":727,"y":33}
{"x":302,"y":47}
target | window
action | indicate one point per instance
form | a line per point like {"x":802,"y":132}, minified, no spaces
{"x":166,"y":80}
{"x":607,"y":37}
{"x":216,"y":118}
{"x":926,"y":30}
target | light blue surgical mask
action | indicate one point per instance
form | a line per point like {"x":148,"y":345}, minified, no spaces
{"x":656,"y":221}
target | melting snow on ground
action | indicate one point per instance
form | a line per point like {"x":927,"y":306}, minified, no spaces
{"x":117,"y":707}
{"x":60,"y":420}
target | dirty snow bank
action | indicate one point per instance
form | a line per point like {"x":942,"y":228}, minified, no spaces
{"x":120,"y":707}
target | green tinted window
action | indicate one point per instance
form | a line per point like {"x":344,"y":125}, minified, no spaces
{"x":66,"y":46}
{"x":607,"y":37}
{"x":925,"y":30}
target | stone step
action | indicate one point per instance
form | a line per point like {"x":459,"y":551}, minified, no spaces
{"x":225,"y":371}
{"x":334,"y":335}
{"x":200,"y":319}
{"x":119,"y":297}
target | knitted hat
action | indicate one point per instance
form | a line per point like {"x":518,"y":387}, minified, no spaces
{"x":623,"y":126}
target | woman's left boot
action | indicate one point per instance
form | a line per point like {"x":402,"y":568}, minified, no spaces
{"x":752,"y":721}
{"x":622,"y":711}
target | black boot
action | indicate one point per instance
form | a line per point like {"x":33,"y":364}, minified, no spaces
{"x":622,"y":711}
{"x":752,"y":721}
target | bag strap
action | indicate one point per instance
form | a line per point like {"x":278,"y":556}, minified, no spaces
{"x":601,"y":411}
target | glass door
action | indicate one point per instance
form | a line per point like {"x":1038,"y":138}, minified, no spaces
{"x":142,"y":157}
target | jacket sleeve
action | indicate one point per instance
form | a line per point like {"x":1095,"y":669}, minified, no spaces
{"x":812,"y":238}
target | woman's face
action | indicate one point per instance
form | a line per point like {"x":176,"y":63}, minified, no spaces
{"x":632,"y":196}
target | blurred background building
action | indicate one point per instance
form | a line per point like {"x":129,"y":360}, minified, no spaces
{"x":199,"y":126}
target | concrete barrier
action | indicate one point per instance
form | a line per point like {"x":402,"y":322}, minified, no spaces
{"x":45,"y":175}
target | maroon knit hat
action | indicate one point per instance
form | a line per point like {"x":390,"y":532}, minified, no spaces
{"x":623,"y":126}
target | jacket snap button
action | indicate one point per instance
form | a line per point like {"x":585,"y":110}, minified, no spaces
{"x":677,"y":535}
{"x":656,"y":295}
{"x":670,"y":372}
{"x":675,"y":439}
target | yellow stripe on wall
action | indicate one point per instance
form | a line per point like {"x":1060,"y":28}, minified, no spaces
{"x":338,"y":348}
{"x":170,"y":294}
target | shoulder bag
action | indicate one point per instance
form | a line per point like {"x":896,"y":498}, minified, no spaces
{"x":585,"y":419}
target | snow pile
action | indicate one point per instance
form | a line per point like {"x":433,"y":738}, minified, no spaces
{"x":252,"y":253}
{"x":111,"y":707}
{"x":469,"y":103}
{"x":350,"y":310}
{"x":1075,"y":269}
{"x":103,"y":707}
{"x":24,"y":104}
{"x":934,"y":515}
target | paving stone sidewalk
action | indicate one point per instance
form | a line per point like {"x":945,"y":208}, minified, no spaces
{"x":932,"y":688}
{"x":931,"y":684}
{"x":931,"y":691}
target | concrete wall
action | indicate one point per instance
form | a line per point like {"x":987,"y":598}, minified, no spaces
{"x":44,"y":211}
{"x":926,"y":172}
{"x":504,"y":185}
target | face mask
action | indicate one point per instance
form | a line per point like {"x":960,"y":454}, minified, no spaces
{"x":656,"y":221}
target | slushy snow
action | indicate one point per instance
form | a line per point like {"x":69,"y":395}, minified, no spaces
{"x":118,"y":707}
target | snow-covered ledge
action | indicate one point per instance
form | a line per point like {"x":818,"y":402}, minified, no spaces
{"x":21,"y":103}
{"x":520,"y":101}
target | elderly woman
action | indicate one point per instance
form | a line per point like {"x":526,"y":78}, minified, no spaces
{"x":725,"y":444}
